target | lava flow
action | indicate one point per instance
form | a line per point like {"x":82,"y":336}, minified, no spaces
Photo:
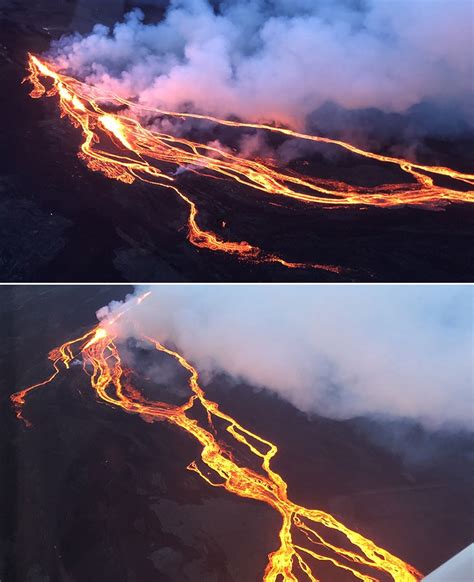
{"x":122,"y":148}
{"x":307,"y":537}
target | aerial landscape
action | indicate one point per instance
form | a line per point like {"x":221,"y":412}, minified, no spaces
{"x":236,"y":302}
{"x":372,"y":486}
{"x":153,"y":151}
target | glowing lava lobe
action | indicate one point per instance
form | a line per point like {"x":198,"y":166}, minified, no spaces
{"x":120,"y":147}
{"x":304,"y":540}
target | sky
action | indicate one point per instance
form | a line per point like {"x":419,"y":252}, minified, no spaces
{"x":341,"y":351}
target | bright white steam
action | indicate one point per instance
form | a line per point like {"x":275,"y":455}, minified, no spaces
{"x":283,"y":59}
{"x":341,"y":351}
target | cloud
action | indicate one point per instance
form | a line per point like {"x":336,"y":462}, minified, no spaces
{"x":282,"y":60}
{"x":340,"y":351}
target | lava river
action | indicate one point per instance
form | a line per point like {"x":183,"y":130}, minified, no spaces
{"x":123,"y":148}
{"x":306,"y":537}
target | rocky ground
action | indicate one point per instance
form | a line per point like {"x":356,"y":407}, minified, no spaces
{"x":89,"y":492}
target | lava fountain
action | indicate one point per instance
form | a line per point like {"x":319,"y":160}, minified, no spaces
{"x":306,"y":537}
{"x":121,"y":147}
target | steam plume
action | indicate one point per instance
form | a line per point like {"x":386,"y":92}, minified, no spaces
{"x":397,"y":351}
{"x":282,"y":60}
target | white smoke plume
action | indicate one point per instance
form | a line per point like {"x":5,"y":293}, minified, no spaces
{"x":280,"y":60}
{"x":340,"y":351}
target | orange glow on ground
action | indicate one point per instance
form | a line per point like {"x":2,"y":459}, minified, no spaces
{"x":305,"y":538}
{"x":123,"y":149}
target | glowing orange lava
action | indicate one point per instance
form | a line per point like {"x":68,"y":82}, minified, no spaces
{"x":119,"y":146}
{"x":306,"y":536}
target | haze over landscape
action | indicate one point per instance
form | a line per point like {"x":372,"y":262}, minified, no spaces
{"x":338,"y":351}
{"x":391,"y":476}
{"x":282,"y":60}
{"x":166,"y":414}
{"x":378,"y":187}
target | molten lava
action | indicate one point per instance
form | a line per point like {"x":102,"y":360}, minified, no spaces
{"x":306,"y":536}
{"x":119,"y":146}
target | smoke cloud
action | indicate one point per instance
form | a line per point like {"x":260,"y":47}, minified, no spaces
{"x":283,"y":60}
{"x":340,"y":351}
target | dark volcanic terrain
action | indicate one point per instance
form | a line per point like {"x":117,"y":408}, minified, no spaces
{"x":89,"y":492}
{"x":61,"y":222}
